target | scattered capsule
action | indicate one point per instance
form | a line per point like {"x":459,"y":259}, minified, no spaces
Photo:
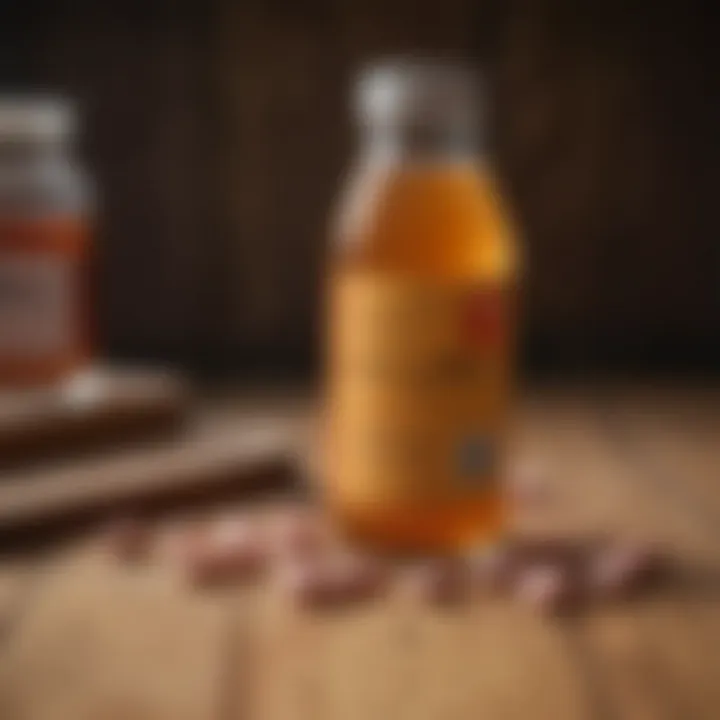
{"x":493,"y":570}
{"x":129,"y":539}
{"x":305,"y":583}
{"x":621,"y":569}
{"x":546,"y":588}
{"x":441,"y":582}
{"x":340,"y":580}
{"x":232,"y":550}
{"x":297,"y":533}
{"x":363,"y":576}
{"x":570,"y":553}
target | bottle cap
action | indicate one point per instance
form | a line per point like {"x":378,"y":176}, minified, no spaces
{"x":36,"y":118}
{"x":418,"y":93}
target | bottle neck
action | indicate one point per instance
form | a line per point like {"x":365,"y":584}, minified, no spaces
{"x":17,"y":153}
{"x":418,"y":143}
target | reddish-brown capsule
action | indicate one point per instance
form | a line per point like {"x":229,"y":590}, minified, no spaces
{"x":332,"y":581}
{"x":546,"y":588}
{"x":571,"y":555}
{"x":493,"y":571}
{"x":231,"y":550}
{"x":619,"y":570}
{"x":297,"y":532}
{"x":129,"y":539}
{"x":363,"y":575}
{"x":304,"y":583}
{"x":441,"y":582}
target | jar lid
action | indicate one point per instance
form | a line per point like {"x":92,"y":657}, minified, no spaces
{"x":36,"y":118}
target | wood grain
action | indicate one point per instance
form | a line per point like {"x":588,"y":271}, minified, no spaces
{"x":99,"y":408}
{"x":648,"y":657}
{"x":218,"y":176}
{"x":13,"y":581}
{"x":211,"y":461}
{"x":675,"y":440}
{"x":101,"y":641}
{"x":395,"y":659}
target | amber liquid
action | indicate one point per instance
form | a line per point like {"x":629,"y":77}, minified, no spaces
{"x":440,"y":221}
{"x":65,"y":241}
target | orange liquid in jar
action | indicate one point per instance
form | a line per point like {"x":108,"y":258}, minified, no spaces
{"x":44,"y":313}
{"x":420,"y":358}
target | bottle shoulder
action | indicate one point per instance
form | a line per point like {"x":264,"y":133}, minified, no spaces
{"x":426,"y":217}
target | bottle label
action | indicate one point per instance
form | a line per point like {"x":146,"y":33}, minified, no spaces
{"x":419,"y":383}
{"x":35,"y":305}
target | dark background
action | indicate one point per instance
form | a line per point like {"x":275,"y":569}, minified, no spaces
{"x":218,"y":131}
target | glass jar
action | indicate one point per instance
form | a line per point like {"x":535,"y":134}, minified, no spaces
{"x":420,"y":341}
{"x":44,"y":244}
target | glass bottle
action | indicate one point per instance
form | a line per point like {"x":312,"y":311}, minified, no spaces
{"x":44,"y":244}
{"x":420,"y":330}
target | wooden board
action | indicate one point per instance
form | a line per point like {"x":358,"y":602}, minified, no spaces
{"x":498,"y":660}
{"x":211,"y":461}
{"x":13,"y":581}
{"x":96,"y":409}
{"x":100,"y":642}
{"x":397,"y":660}
{"x":647,"y":659}
{"x":655,"y":658}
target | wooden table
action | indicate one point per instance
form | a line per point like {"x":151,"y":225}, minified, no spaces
{"x":83,"y":638}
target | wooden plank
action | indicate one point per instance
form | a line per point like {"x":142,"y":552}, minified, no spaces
{"x":98,"y":408}
{"x":102,"y":642}
{"x":675,"y":437}
{"x":597,"y":486}
{"x":396,"y":659}
{"x":497,"y":660}
{"x":590,"y":500}
{"x":673,"y":440}
{"x":647,"y":657}
{"x":148,"y":158}
{"x":217,"y":458}
{"x":14,"y":579}
{"x":655,"y":658}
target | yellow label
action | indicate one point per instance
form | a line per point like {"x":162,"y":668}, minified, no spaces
{"x":419,"y":377}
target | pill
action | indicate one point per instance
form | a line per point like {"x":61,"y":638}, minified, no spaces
{"x":231,"y":550}
{"x":332,"y":581}
{"x":445,"y":581}
{"x":545,"y":588}
{"x":305,"y":583}
{"x":621,"y":569}
{"x":361,"y":575}
{"x":297,"y":532}
{"x":492,"y":570}
{"x":569,"y":552}
{"x":129,"y":539}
